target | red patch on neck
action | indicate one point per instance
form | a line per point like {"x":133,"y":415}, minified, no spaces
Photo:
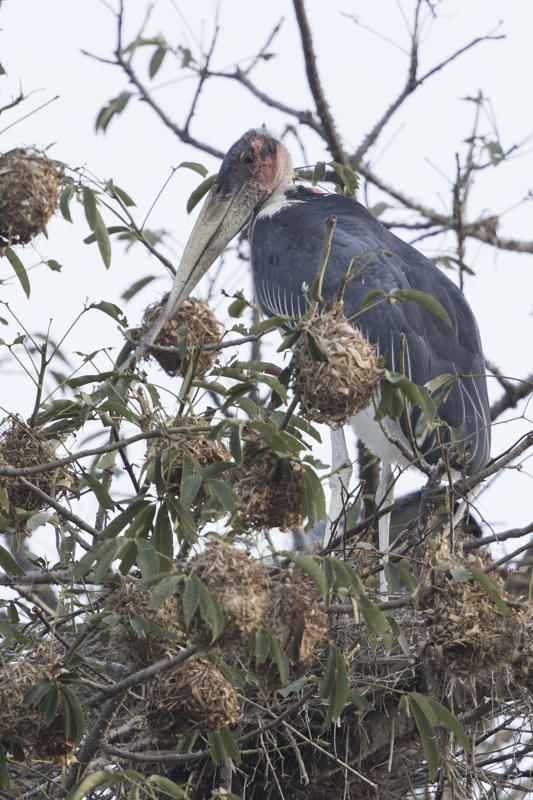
{"x":315,"y":190}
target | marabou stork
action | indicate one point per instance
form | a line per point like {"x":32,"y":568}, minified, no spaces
{"x":255,"y":184}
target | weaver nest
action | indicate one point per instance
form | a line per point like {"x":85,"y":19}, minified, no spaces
{"x":240,"y":586}
{"x":22,"y":446}
{"x":192,"y":696}
{"x":29,"y":193}
{"x":25,"y":726}
{"x":293,"y":617}
{"x":195,"y":447}
{"x":164,"y":634}
{"x":202,"y":328}
{"x":522,"y":657}
{"x":470,"y":634}
{"x":335,"y":369}
{"x":269,"y":487}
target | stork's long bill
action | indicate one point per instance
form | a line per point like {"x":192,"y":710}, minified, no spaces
{"x":254,"y":168}
{"x":287,"y":236}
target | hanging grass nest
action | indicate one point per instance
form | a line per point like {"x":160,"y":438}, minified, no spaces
{"x":25,"y":726}
{"x":470,"y":634}
{"x":190,"y":697}
{"x":202,"y":328}
{"x":22,"y":446}
{"x":174,"y":450}
{"x":292,"y":615}
{"x":335,"y":369}
{"x":240,"y":586}
{"x":29,"y":193}
{"x":522,"y":658}
{"x":269,"y":487}
{"x":163,"y":635}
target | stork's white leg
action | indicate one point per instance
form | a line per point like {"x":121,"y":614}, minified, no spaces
{"x":384,"y":497}
{"x":339,"y":457}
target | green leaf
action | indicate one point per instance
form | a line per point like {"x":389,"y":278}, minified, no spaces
{"x":360,"y":702}
{"x":313,"y":499}
{"x":451,"y":722}
{"x":102,"y":238}
{"x":168,"y":787}
{"x":375,"y":619}
{"x":163,"y":589}
{"x":136,"y":287}
{"x":100,"y":779}
{"x":64,"y":201}
{"x":113,"y":189}
{"x":19,"y":269}
{"x":111,"y":310}
{"x":199,"y":192}
{"x":372,"y":295}
{"x":8,"y":563}
{"x":223,"y":494}
{"x":210,"y":610}
{"x":334,"y":685}
{"x":260,"y":645}
{"x":278,"y":657}
{"x":349,"y":178}
{"x":460,"y":573}
{"x":216,"y":746}
{"x":235,"y":444}
{"x":120,"y":522}
{"x":163,"y":539}
{"x":89,"y":205}
{"x":195,"y":166}
{"x":270,"y":324}
{"x":310,"y":565}
{"x":428,"y":737}
{"x":191,"y":598}
{"x":490,"y":587}
{"x":157,"y":60}
{"x":101,"y":493}
{"x":115,"y":106}
{"x":230,"y":745}
{"x":319,"y":172}
{"x":425,"y":300}
{"x":54,"y":265}
{"x":147,"y":559}
{"x":75,"y":728}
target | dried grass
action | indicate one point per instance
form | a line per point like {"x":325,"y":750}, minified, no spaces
{"x":344,"y":381}
{"x":25,"y":726}
{"x":240,"y":586}
{"x":29,"y":193}
{"x":202,"y":329}
{"x":193,"y":696}
{"x":269,"y":487}
{"x":469,"y":633}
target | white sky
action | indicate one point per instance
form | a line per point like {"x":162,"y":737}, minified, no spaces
{"x":40,"y":47}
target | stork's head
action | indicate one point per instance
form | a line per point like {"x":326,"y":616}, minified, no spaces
{"x":254,"y":168}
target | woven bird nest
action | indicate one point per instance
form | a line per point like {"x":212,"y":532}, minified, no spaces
{"x":129,"y":601}
{"x":192,"y":696}
{"x":194,"y":446}
{"x":240,"y":586}
{"x":335,"y":369}
{"x":25,"y":726}
{"x":29,"y":193}
{"x":470,"y":634}
{"x":22,"y":446}
{"x":293,"y":617}
{"x":522,"y":658}
{"x":202,"y":326}
{"x":269,"y":487}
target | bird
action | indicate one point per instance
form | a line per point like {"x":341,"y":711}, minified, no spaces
{"x":255,"y":185}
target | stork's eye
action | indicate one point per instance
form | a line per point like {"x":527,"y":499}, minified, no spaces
{"x":247,"y":156}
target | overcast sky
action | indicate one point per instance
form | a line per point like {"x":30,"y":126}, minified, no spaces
{"x":363,"y":67}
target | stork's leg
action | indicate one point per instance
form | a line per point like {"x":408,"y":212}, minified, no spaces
{"x":384,"y":497}
{"x":339,"y":456}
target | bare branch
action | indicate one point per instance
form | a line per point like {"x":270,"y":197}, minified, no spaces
{"x":322,"y":107}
